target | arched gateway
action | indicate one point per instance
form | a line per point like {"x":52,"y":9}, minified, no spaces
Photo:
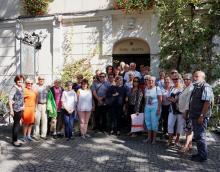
{"x":131,"y":50}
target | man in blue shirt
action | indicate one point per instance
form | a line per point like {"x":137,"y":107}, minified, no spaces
{"x":99,"y":90}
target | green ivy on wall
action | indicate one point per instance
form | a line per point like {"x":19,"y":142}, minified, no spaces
{"x":131,"y":6}
{"x":36,"y":7}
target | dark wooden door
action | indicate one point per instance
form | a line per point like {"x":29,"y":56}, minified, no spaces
{"x":139,"y":59}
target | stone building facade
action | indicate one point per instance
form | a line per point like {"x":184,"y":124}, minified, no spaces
{"x":75,"y":29}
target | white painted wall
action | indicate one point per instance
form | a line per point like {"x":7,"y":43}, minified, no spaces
{"x":8,"y":58}
{"x":9,"y":8}
{"x":14,"y":8}
{"x":71,"y":6}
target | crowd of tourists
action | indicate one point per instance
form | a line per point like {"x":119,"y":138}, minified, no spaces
{"x":173,"y":104}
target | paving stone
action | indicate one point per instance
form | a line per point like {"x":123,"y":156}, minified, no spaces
{"x":101,"y":153}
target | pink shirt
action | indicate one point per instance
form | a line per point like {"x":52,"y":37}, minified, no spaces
{"x":57,"y":92}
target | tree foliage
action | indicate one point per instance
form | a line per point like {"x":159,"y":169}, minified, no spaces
{"x":187,"y":29}
{"x":131,"y":6}
{"x":74,"y":68}
{"x":36,"y":7}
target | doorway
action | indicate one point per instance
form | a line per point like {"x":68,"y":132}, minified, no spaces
{"x":131,"y":50}
{"x":139,"y":59}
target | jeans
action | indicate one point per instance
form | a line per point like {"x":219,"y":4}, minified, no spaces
{"x":200,"y":137}
{"x":68,"y":121}
{"x":16,"y":125}
{"x":151,"y":117}
{"x":41,"y":120}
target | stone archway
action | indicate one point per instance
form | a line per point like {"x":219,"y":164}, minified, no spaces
{"x":131,"y":50}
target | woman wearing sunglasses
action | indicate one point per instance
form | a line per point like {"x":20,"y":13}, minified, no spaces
{"x":28,"y":118}
{"x":175,"y":116}
{"x":134,"y":101}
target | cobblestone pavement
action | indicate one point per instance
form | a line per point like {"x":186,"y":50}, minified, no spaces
{"x":100,"y":153}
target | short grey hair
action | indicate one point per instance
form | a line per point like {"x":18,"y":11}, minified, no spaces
{"x":28,"y":80}
{"x":152,"y":78}
{"x":187,"y":76}
{"x":201,"y":73}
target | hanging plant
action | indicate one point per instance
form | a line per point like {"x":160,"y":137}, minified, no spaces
{"x":131,"y":6}
{"x":36,"y":7}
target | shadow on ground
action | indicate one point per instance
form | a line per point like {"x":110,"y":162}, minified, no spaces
{"x":99,"y":153}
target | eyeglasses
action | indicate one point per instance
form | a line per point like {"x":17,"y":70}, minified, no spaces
{"x":29,"y":83}
{"x":187,"y":79}
{"x":146,"y":79}
{"x":175,"y":79}
{"x":19,"y":81}
{"x":173,"y":72}
{"x":135,"y":81}
{"x":102,"y":76}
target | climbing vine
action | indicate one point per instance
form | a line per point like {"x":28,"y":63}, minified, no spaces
{"x":36,"y":7}
{"x":131,"y":6}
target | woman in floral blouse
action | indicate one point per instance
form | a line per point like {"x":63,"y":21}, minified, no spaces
{"x":134,"y":100}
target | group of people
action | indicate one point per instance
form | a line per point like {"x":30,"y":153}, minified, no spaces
{"x":171,"y":103}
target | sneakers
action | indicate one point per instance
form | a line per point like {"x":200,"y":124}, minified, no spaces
{"x":29,"y":138}
{"x":37,"y":138}
{"x":83,"y":136}
{"x":153,"y":142}
{"x":146,"y":141}
{"x":197,"y":158}
{"x":24,"y":139}
{"x":87,"y":135}
{"x":43,"y":138}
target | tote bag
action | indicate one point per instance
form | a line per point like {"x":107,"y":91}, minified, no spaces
{"x":137,"y":122}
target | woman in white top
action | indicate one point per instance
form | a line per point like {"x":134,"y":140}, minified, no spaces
{"x":69,"y":101}
{"x":153,"y":99}
{"x":84,"y":107}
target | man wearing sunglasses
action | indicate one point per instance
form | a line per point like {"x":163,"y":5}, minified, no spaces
{"x":41,"y":116}
{"x":99,"y":90}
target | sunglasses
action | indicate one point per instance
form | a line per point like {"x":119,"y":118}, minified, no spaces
{"x":135,"y":81}
{"x":187,"y":79}
{"x":173,"y":72}
{"x":29,"y":83}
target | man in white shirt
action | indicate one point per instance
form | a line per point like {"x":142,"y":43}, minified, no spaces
{"x":41,"y":116}
{"x":132,"y":69}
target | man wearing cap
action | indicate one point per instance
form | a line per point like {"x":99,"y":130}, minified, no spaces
{"x":41,"y":116}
